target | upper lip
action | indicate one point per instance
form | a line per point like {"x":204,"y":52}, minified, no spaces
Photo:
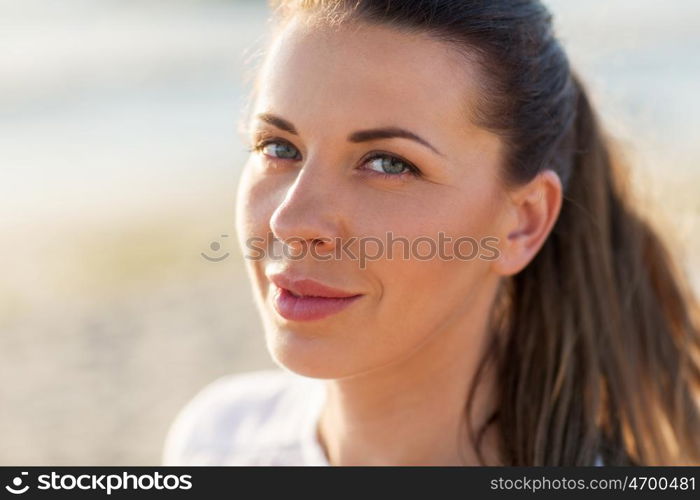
{"x":308,"y":287}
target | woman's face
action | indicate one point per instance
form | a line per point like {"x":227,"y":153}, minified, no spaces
{"x":318,"y":181}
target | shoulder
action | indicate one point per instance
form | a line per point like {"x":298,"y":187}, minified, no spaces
{"x":241,"y":413}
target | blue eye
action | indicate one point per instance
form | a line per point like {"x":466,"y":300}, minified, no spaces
{"x":277,"y":149}
{"x":389,"y":165}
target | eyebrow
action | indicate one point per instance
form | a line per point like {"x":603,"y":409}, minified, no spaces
{"x":357,"y":136}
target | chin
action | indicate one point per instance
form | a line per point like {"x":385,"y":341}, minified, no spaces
{"x":320,"y":357}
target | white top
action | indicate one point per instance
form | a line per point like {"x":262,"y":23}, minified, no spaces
{"x":259,"y":418}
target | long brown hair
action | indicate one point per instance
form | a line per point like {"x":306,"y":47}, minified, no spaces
{"x":596,"y":342}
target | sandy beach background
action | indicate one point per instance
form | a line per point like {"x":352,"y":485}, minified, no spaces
{"x":119,"y":158}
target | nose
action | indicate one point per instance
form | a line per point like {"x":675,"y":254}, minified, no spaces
{"x":308,"y":216}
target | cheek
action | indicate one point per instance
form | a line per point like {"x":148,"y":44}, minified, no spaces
{"x":254,"y":206}
{"x":448,"y":248}
{"x":255,"y":202}
{"x":245,"y":206}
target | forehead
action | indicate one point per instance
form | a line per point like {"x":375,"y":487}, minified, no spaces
{"x":368,"y":75}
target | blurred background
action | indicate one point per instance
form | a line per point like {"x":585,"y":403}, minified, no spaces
{"x":119,"y":158}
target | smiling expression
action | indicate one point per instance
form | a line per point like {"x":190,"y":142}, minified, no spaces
{"x":350,"y":141}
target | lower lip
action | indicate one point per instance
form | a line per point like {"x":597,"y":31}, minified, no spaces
{"x":308,"y":308}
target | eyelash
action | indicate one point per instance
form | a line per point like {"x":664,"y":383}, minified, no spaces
{"x":411,"y":169}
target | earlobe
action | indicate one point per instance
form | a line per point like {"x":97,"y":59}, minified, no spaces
{"x":535,"y":208}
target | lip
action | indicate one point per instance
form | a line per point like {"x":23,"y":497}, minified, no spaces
{"x":306,"y":299}
{"x":308,"y":287}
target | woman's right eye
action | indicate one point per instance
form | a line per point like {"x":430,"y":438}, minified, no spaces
{"x":278,"y":149}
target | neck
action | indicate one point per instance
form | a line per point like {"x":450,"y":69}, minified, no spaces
{"x":413,"y":411}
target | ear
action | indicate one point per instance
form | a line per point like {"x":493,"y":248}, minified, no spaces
{"x":533,"y":210}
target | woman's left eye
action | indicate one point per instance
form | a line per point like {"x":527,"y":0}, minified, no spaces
{"x":390,"y":166}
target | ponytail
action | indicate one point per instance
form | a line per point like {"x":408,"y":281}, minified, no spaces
{"x":600,"y":352}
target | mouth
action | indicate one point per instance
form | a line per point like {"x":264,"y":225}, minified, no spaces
{"x":308,"y":300}
{"x":307,"y":307}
